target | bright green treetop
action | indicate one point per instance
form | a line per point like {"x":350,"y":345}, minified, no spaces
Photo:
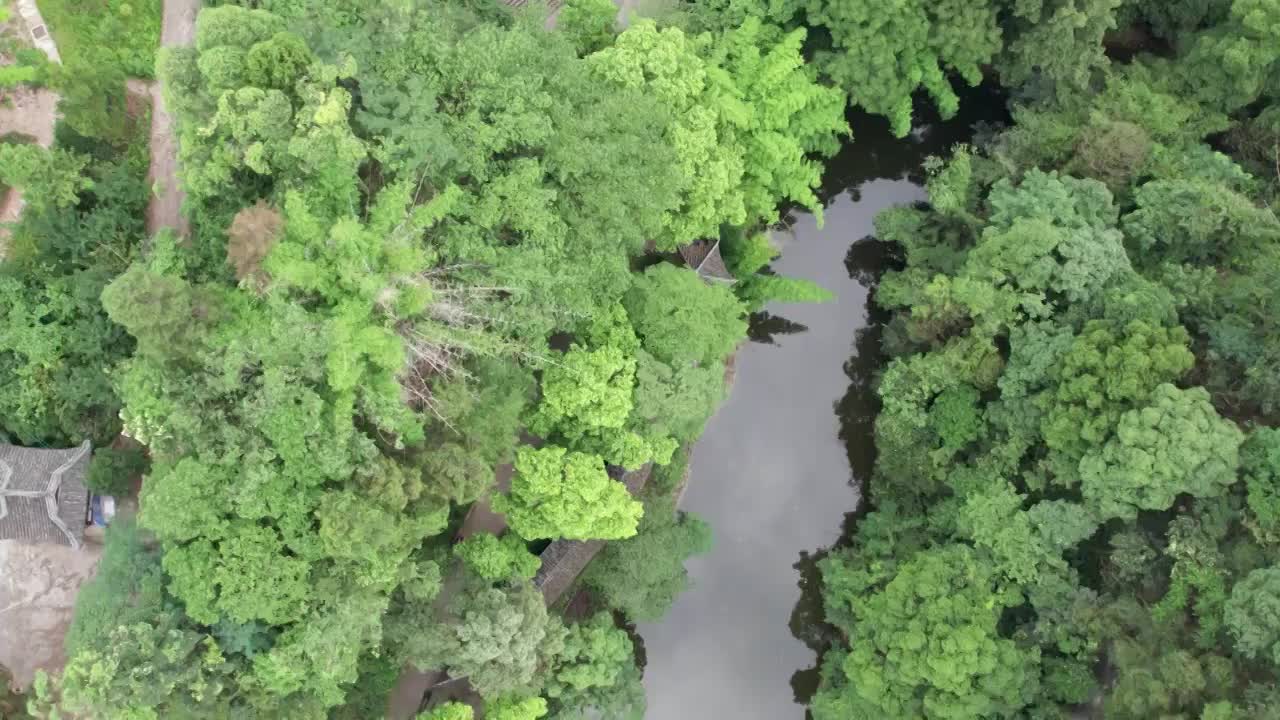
{"x":589,"y":23}
{"x":668,"y":64}
{"x":515,"y":708}
{"x":1106,"y":371}
{"x":449,"y":711}
{"x":561,"y":494}
{"x":494,"y":558}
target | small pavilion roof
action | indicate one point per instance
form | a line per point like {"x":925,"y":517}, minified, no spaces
{"x":704,"y":257}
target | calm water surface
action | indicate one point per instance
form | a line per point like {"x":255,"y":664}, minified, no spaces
{"x":779,"y":470}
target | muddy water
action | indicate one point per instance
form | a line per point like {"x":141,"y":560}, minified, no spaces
{"x":779,"y":471}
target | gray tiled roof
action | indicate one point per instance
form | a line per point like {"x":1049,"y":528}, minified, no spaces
{"x":705,"y":259}
{"x":43,"y":498}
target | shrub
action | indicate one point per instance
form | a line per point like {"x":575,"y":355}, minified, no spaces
{"x":112,"y":470}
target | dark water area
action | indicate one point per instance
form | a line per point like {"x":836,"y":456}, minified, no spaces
{"x":780,"y":470}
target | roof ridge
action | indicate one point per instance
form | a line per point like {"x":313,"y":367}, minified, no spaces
{"x":55,"y":482}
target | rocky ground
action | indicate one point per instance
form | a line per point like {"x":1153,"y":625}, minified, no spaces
{"x":38,"y":587}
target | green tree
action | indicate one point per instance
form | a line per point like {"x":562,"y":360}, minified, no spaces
{"x":881,"y":56}
{"x":926,"y":645}
{"x":561,"y":494}
{"x":476,"y":422}
{"x":50,"y":178}
{"x":128,"y":588}
{"x":497,"y":637}
{"x":674,"y":401}
{"x":1252,"y":614}
{"x":589,"y":23}
{"x":594,"y":655}
{"x":1107,"y":371}
{"x":113,"y":470}
{"x":1260,"y":463}
{"x":589,"y":395}
{"x":496,"y":559}
{"x":1176,"y":444}
{"x":143,"y":671}
{"x":516,"y":708}
{"x":667,"y":63}
{"x":793,"y":117}
{"x":641,"y":576}
{"x":449,"y":711}
{"x":680,"y":319}
{"x":1057,"y":44}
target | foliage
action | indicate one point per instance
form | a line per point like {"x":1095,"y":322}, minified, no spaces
{"x":81,"y":228}
{"x":746,"y":110}
{"x":641,"y":576}
{"x":52,"y":179}
{"x":114,"y":32}
{"x":680,"y":319}
{"x":101,"y":45}
{"x":1251,"y":615}
{"x":393,"y":208}
{"x":475,"y":429}
{"x":561,"y":494}
{"x":144,"y":671}
{"x":495,"y":559}
{"x":748,"y":256}
{"x":595,"y":654}
{"x":113,"y":470}
{"x":498,"y":637}
{"x":588,"y":23}
{"x":1260,"y":463}
{"x":321,"y":526}
{"x":881,"y":56}
{"x":593,"y":400}
{"x":448,"y":711}
{"x":1057,"y":46}
{"x":128,"y":588}
{"x":516,"y":709}
{"x":1079,"y":314}
{"x":926,"y":644}
{"x":1175,"y":445}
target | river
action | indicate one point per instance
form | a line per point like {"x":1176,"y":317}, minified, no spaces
{"x":780,"y":468}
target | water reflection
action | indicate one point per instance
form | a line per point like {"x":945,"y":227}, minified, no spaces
{"x":778,"y":474}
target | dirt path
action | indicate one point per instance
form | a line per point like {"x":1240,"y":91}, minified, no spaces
{"x":178,"y":30}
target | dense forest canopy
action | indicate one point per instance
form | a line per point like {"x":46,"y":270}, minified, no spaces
{"x":432,"y":274}
{"x":1077,"y":454}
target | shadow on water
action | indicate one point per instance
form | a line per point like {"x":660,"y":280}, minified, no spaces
{"x":866,"y":261}
{"x":765,"y":326}
{"x":873,"y":154}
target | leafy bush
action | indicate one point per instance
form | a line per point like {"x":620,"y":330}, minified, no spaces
{"x":112,"y":470}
